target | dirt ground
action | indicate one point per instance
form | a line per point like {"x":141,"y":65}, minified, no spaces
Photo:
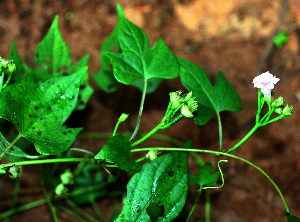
{"x":229,"y":36}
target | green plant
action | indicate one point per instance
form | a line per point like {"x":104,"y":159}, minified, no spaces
{"x":39,"y":104}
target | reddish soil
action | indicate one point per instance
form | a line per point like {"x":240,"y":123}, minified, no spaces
{"x":229,"y":36}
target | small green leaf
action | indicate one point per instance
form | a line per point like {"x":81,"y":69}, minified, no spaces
{"x":211,"y":99}
{"x":162,"y":181}
{"x":204,"y":176}
{"x":39,"y":114}
{"x":117,"y":150}
{"x":14,"y":154}
{"x":137,"y":60}
{"x":292,"y":219}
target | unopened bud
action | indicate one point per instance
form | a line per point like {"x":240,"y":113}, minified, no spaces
{"x":123,"y":117}
{"x":186,"y":111}
{"x":287,"y":111}
{"x":278,"y":102}
{"x":67,"y":177}
{"x":61,"y":190}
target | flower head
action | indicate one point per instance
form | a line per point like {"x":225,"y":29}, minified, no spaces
{"x":265,"y":82}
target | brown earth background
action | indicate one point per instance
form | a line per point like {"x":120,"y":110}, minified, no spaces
{"x":231,"y":36}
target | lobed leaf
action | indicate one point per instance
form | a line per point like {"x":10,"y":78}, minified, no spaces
{"x":52,"y":59}
{"x":137,"y":60}
{"x":162,"y":181}
{"x":39,"y":114}
{"x":211,"y":99}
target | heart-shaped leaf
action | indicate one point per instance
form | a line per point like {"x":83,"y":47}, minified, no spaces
{"x":137,"y":60}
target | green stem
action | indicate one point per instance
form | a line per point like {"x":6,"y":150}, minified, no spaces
{"x":157,"y":128}
{"x":22,"y":208}
{"x":82,"y":150}
{"x":194,"y":205}
{"x":207,"y":206}
{"x":97,"y":211}
{"x":244,"y":139}
{"x":141,"y":110}
{"x":10,"y":146}
{"x":61,"y":160}
{"x":16,"y":191}
{"x":156,"y":136}
{"x":220,"y":132}
{"x":43,"y":201}
{"x":1,"y":79}
{"x":219,"y":154}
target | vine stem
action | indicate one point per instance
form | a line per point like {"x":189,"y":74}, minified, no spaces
{"x":194,"y":205}
{"x":59,"y":160}
{"x":141,"y":110}
{"x":243,"y":140}
{"x":219,"y":154}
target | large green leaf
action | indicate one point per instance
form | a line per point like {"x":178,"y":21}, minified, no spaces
{"x":137,"y":60}
{"x":211,"y":99}
{"x":117,"y":150}
{"x":39,"y":114}
{"x":163,"y":181}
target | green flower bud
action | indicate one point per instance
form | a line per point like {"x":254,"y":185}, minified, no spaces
{"x":186,"y":111}
{"x":279,"y":110}
{"x":176,"y":100}
{"x":61,"y":190}
{"x":14,"y":171}
{"x":188,"y":96}
{"x":67,"y":177}
{"x":152,"y":154}
{"x":123,"y":117}
{"x":11,"y":66}
{"x":193,"y":104}
{"x":287,"y":111}
{"x":4,"y":63}
{"x":278,"y":102}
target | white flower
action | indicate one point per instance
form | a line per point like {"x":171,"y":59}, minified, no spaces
{"x":265,"y":82}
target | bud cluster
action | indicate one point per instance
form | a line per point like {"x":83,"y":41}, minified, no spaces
{"x":7,"y":66}
{"x":66,"y":178}
{"x":187,"y":104}
{"x":278,"y":105}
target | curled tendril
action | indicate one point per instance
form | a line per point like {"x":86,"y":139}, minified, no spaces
{"x":221,"y":176}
